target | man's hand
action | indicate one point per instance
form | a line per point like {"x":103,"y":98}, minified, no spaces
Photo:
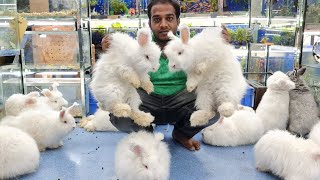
{"x":105,"y":43}
{"x":225,"y":34}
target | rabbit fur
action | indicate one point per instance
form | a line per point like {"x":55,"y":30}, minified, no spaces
{"x":19,"y":153}
{"x":100,"y":121}
{"x":273,"y":108}
{"x":315,"y":133}
{"x":142,"y":156}
{"x":53,"y":98}
{"x":18,"y":103}
{"x":287,"y":156}
{"x":47,"y":127}
{"x":303,"y":110}
{"x":243,"y":127}
{"x":117,"y":73}
{"x":218,"y":89}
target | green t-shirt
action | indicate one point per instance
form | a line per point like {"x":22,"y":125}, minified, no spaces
{"x":166,"y":82}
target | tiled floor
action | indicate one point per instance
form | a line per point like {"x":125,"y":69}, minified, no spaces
{"x":91,"y":156}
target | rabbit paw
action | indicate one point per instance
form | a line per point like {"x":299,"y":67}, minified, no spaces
{"x":226,"y":109}
{"x":90,"y":127}
{"x":200,"y":68}
{"x":200,"y":117}
{"x":55,"y":146}
{"x":147,"y":86}
{"x":262,"y":169}
{"x":142,"y":118}
{"x":41,"y":148}
{"x":85,"y":120}
{"x":60,"y":143}
{"x":135,"y":82}
{"x":121,"y":110}
{"x":190,"y":85}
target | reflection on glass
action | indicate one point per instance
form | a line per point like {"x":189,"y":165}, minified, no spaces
{"x":257,"y":64}
{"x":316,"y":51}
{"x":307,"y":52}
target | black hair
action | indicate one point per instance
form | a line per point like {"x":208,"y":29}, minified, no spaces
{"x":174,"y":3}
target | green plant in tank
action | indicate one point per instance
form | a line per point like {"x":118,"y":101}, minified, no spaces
{"x":276,"y":39}
{"x":100,"y":29}
{"x":119,"y":7}
{"x":93,"y":2}
{"x":214,"y":4}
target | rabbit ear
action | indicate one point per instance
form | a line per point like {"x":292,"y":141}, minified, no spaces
{"x":144,"y":36}
{"x":159,"y":136}
{"x":54,"y":86}
{"x":46,"y":92}
{"x":34,"y":94}
{"x":62,"y":113}
{"x":184,"y":34}
{"x":31,"y":101}
{"x":301,"y":71}
{"x":71,"y":108}
{"x":136,"y":149}
{"x":316,"y":156}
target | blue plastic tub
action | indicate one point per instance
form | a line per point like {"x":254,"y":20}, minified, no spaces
{"x":248,"y":98}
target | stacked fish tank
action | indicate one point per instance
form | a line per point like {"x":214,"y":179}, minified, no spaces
{"x":10,"y":67}
{"x":276,"y":29}
{"x":311,"y":46}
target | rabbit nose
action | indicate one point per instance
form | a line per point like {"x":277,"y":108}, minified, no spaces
{"x":174,"y":66}
{"x":73,"y":127}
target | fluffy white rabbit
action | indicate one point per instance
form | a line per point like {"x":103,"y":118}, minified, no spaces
{"x":53,"y":98}
{"x":315,"y":133}
{"x":100,"y":121}
{"x":287,"y":156}
{"x":47,"y":127}
{"x":211,"y":68}
{"x":18,"y":103}
{"x":19,"y":153}
{"x":119,"y":72}
{"x":243,"y":127}
{"x":273,"y":108}
{"x":142,"y":156}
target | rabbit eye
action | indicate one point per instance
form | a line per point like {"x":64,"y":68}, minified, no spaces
{"x":146,"y":166}
{"x":180,"y":53}
{"x":147,"y":57}
{"x":65,"y":122}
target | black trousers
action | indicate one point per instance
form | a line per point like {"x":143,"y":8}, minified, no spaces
{"x":174,"y":109}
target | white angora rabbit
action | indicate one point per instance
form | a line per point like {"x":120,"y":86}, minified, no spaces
{"x":211,"y":68}
{"x":19,"y":153}
{"x":119,"y":72}
{"x":142,"y":156}
{"x":287,"y":156}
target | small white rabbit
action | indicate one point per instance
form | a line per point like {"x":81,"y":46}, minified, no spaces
{"x":100,"y":121}
{"x":211,"y":68}
{"x":142,"y":155}
{"x":315,"y":133}
{"x":287,"y":156}
{"x":119,"y":72}
{"x":53,"y":98}
{"x":47,"y":127}
{"x":18,"y":103}
{"x":273,"y":108}
{"x":243,"y":127}
{"x":19,"y":153}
